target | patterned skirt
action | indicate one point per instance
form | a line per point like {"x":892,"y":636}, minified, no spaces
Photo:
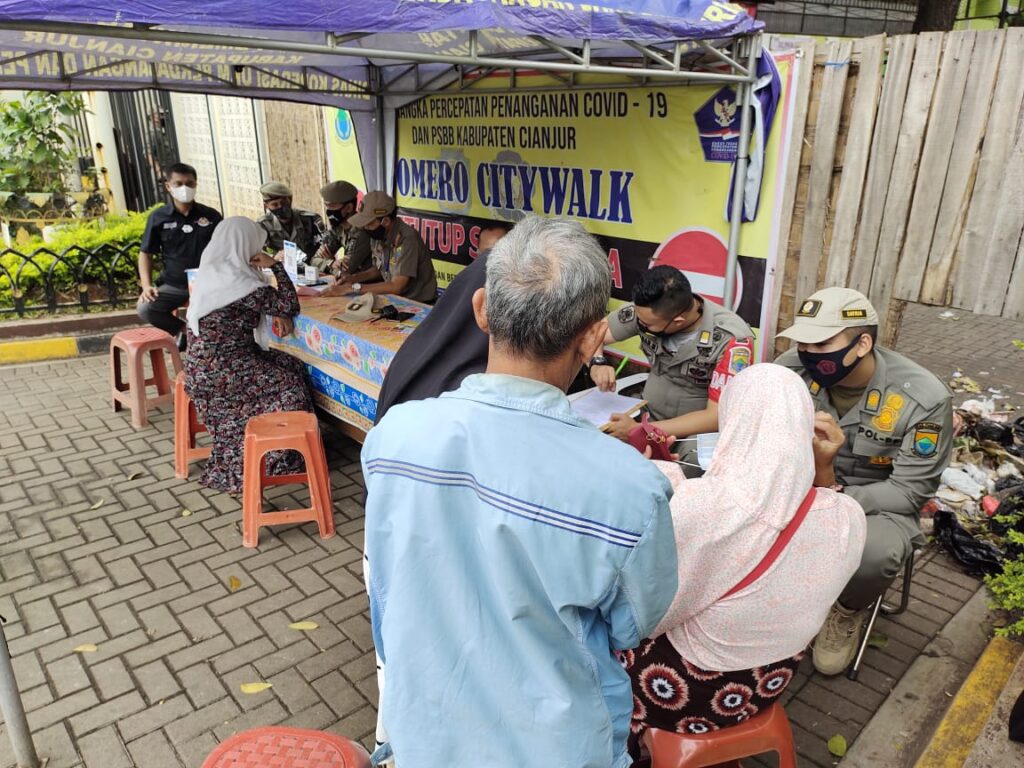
{"x":673,"y":695}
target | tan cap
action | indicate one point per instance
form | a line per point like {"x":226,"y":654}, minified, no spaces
{"x":375,"y":205}
{"x":275,"y":189}
{"x":829,"y":311}
{"x":338,"y":192}
{"x":358,"y":309}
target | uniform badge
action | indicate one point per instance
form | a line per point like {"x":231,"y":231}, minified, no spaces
{"x":203,"y":221}
{"x":704,"y":339}
{"x":627,"y":314}
{"x":886,"y":419}
{"x":739,"y":358}
{"x":874,"y":400}
{"x":855,"y":314}
{"x":880,"y":461}
{"x":815,"y":387}
{"x":926,"y":439}
{"x":809,"y":308}
{"x":187,"y":228}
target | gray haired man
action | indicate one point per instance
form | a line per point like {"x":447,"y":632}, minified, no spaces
{"x":501,"y":575}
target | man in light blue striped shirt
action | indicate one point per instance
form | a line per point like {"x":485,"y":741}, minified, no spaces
{"x":511,"y":546}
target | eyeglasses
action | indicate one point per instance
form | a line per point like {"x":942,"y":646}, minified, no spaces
{"x":644,"y":328}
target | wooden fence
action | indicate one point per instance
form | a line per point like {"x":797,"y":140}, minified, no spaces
{"x":910,"y":182}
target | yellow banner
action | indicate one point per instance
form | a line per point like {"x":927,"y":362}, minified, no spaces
{"x":646,"y":169}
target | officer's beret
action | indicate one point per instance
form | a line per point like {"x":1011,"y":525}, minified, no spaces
{"x":275,"y":189}
{"x":338,"y":192}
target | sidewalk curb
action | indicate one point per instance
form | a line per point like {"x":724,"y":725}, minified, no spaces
{"x":956,"y":735}
{"x":903,"y":726}
{"x":53,"y":348}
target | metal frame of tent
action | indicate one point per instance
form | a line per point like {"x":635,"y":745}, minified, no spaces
{"x":399,"y":77}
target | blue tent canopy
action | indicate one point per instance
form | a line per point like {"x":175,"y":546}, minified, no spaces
{"x":638,"y":20}
{"x":372,"y":56}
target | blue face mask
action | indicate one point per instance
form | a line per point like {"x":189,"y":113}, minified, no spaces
{"x":827,"y":369}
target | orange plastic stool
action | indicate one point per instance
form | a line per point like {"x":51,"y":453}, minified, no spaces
{"x":136,"y":343}
{"x":287,"y":748}
{"x":768,"y":731}
{"x":290,"y":430}
{"x":186,"y":426}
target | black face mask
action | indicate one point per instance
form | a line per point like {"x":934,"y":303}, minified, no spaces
{"x":336,"y":218}
{"x":378,"y":233}
{"x":284,"y":212}
{"x":827,"y":369}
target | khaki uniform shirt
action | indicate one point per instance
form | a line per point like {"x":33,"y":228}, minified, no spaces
{"x":678,"y":383}
{"x":403,"y":253}
{"x":305,"y":230}
{"x":898,"y":438}
{"x":353,"y":243}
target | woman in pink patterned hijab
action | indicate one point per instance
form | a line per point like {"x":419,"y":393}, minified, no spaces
{"x":721,"y":654}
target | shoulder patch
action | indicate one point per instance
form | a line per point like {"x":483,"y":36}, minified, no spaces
{"x":704,"y":339}
{"x":809,"y":308}
{"x":739,"y":358}
{"x":926,"y":439}
{"x":627,"y":314}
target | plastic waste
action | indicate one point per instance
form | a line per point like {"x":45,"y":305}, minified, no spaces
{"x":993,"y":431}
{"x":976,"y":556}
{"x":959,"y":480}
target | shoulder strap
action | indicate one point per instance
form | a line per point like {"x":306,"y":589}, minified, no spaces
{"x":772,"y":555}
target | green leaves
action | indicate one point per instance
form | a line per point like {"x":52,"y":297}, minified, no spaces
{"x":38,"y":141}
{"x":837,"y":745}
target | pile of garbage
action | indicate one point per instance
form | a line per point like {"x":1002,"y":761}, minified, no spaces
{"x":981,"y":496}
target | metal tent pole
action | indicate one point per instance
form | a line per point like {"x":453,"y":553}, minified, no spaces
{"x":13,"y":711}
{"x":745,"y":98}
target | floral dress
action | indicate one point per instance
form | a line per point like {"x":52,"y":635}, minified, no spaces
{"x":230,"y":380}
{"x":671,"y":694}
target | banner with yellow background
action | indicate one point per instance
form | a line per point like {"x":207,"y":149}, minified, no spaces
{"x":647,"y":170}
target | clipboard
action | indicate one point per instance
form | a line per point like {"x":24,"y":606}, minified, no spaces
{"x":597,"y":407}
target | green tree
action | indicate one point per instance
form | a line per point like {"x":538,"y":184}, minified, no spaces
{"x":38,"y":141}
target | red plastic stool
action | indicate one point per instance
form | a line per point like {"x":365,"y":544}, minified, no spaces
{"x":287,"y":748}
{"x":290,"y":430}
{"x":768,"y":731}
{"x":136,"y":343}
{"x":186,"y":426}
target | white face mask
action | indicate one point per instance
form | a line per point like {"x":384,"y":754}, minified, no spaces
{"x":183,"y":194}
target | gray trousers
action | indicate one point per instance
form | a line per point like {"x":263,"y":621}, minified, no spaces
{"x":889,"y":542}
{"x":160,"y":311}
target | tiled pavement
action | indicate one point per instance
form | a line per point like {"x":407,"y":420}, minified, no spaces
{"x":94,"y":548}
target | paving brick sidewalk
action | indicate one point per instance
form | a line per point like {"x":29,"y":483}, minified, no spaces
{"x":88,"y":555}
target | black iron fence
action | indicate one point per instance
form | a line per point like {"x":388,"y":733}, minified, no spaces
{"x":76,"y":279}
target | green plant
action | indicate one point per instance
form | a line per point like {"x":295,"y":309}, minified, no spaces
{"x":38,"y":141}
{"x":73,"y":243}
{"x":1007,"y":590}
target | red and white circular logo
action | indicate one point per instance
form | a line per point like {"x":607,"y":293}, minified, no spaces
{"x":701,"y":254}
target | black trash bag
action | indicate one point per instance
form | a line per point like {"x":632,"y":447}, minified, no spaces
{"x":976,"y":556}
{"x":993,"y":431}
{"x":1004,"y":483}
{"x":1018,"y":428}
{"x":1017,"y":720}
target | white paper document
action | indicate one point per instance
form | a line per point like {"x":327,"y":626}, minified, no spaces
{"x":597,"y":407}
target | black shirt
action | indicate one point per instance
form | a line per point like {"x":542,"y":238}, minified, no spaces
{"x":180,"y":239}
{"x":447,"y":346}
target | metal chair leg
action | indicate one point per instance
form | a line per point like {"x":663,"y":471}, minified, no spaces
{"x":888,"y":610}
{"x":855,"y":669}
